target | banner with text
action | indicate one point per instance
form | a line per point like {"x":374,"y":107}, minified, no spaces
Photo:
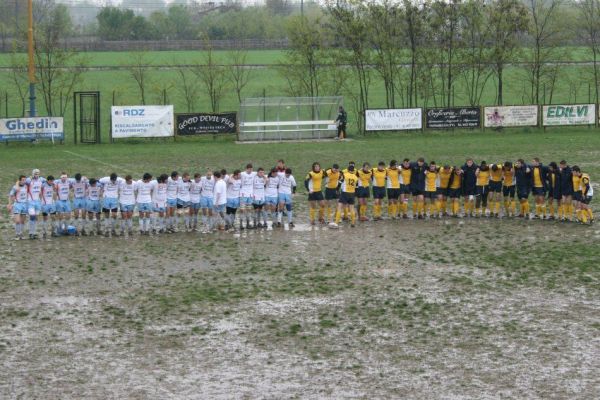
{"x":201,"y":123}
{"x":458,"y":117}
{"x":569,"y":114}
{"x":142,"y":121}
{"x":507,"y":116}
{"x":393,"y":119}
{"x":35,"y":128}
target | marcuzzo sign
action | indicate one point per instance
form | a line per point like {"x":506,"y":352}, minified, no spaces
{"x":569,"y":114}
{"x":201,"y":123}
{"x":507,"y":116}
{"x":444,"y":118}
{"x":393,"y":119}
{"x":35,"y":128}
{"x":142,"y":121}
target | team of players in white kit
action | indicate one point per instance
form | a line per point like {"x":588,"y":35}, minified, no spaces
{"x":92,"y":206}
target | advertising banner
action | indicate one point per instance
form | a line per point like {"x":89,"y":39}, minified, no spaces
{"x":569,"y":114}
{"x":457,"y":117}
{"x":507,"y":116}
{"x":28,"y":129}
{"x":393,"y":119}
{"x":201,"y":123}
{"x":142,"y":121}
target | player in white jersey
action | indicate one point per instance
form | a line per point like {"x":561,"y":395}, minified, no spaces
{"x":143,"y":189}
{"x":127,"y":204}
{"x":159,"y":202}
{"x":49,"y":207}
{"x":63,"y":202}
{"x":246,"y":195}
{"x":287,"y":186}
{"x":172,"y":186}
{"x":79,"y":185}
{"x":219,"y":200}
{"x":110,"y":201}
{"x":195,"y":190}
{"x":92,"y":206}
{"x":258,"y":196}
{"x":183,"y":201}
{"x":17,"y":205}
{"x":234,"y":184}
{"x":206,"y":200}
{"x":272,"y":195}
{"x":34,"y":188}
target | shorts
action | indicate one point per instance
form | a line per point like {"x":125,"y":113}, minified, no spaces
{"x":269,"y":201}
{"x":171,"y":203}
{"x":219,"y":208}
{"x":508,"y":191}
{"x":92,"y":206}
{"x":430,"y":195}
{"x":159,"y":209}
{"x":285,"y":198}
{"x":109,"y":203}
{"x":442,"y":191}
{"x":586,"y":200}
{"x":567,"y":192}
{"x":577,"y":196}
{"x":195,"y":205}
{"x":362,"y":192}
{"x":418,"y":192}
{"x":19,"y":208}
{"x":258,"y":202}
{"x":495,"y":187}
{"x":126,"y":207}
{"x":393,"y":194}
{"x":144,"y":207}
{"x":346,"y":198}
{"x":315,"y":196}
{"x":63,"y":206}
{"x":522,"y":194}
{"x":48,"y":209}
{"x":481,"y":190}
{"x":79,"y":203}
{"x":331,"y":194}
{"x":454,"y":193}
{"x":246,"y":201}
{"x":404,"y":189}
{"x":554,"y":194}
{"x":183,"y":204}
{"x":378,"y":192}
{"x":206,"y":202}
{"x":235,"y":203}
{"x":469,"y":192}
{"x":538,"y":191}
{"x":36,"y":204}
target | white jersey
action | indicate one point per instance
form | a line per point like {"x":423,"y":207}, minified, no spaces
{"x":110,"y":188}
{"x":259,"y":187}
{"x":79,"y":188}
{"x":208,"y":186}
{"x":20,"y":193}
{"x":183,"y":190}
{"x":63,"y":189}
{"x":93,"y":192}
{"x":220,"y":193}
{"x":48,"y":193}
{"x":35,"y":188}
{"x":286,"y":183}
{"x":247,"y":183}
{"x":280,"y":172}
{"x":127,"y":193}
{"x":195,"y":189}
{"x":172,"y":186}
{"x":144,"y":191}
{"x":233,"y":188}
{"x":159,"y":194}
{"x":272,"y":186}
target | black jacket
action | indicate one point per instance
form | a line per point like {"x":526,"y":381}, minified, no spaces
{"x":469,"y":177}
{"x":566,"y":181}
{"x":523,"y":178}
{"x":417,"y":176}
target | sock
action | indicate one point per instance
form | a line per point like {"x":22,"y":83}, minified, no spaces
{"x":290,"y":215}
{"x":578,"y":214}
{"x":17,"y":228}
{"x":551,"y":209}
{"x":543,"y":210}
{"x":279,"y":216}
{"x":353,"y":215}
{"x":376,"y":210}
{"x":513,"y":207}
{"x":338,"y":217}
{"x":584,"y":216}
{"x":32,"y":227}
{"x":345,"y":213}
{"x":329,"y":211}
{"x":437,"y":207}
{"x":415,"y":208}
{"x":321,"y":213}
{"x":527,"y":207}
{"x":538,"y":210}
{"x":311,"y":215}
{"x":405,"y":207}
{"x":497,"y":207}
{"x":390,"y":209}
{"x":455,"y":207}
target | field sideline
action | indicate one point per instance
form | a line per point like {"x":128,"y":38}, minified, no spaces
{"x":395,"y":309}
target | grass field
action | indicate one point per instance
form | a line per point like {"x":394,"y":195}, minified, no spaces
{"x":395,"y":309}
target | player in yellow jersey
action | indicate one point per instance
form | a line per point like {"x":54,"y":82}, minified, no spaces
{"x":482,"y":189}
{"x":314,"y":185}
{"x":379,"y":181}
{"x":587,"y":192}
{"x":365,"y":175}
{"x":348,"y":187}
{"x":431,"y":184}
{"x":405,"y":175}
{"x":454,"y":190}
{"x":508,"y":189}
{"x":332,"y":186}
{"x":393,"y":188}
{"x":577,"y":191}
{"x":538,"y":187}
{"x":495,"y":194}
{"x":445,"y":173}
{"x":554,"y":192}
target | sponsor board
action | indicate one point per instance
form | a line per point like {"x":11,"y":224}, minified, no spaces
{"x":569,"y":114}
{"x":393,"y":119}
{"x":455,"y":117}
{"x":507,"y":116}
{"x":29,"y":129}
{"x":201,"y":123}
{"x":142,"y":121}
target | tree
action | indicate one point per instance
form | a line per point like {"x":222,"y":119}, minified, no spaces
{"x":414,"y":27}
{"x":139,"y":70}
{"x":589,"y":32}
{"x":117,"y":24}
{"x":213,"y":76}
{"x":187,"y":86}
{"x":238,"y":72}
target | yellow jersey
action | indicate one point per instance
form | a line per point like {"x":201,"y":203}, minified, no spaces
{"x":496,"y":176}
{"x":483,"y":178}
{"x":508,"y":176}
{"x":393,"y":178}
{"x":537,"y":177}
{"x":333,"y":178}
{"x":406,"y":175}
{"x":445,"y":174}
{"x":349,"y":181}
{"x":379,"y":177}
{"x":576,"y":183}
{"x":456,"y":180}
{"x":315,"y":180}
{"x":364,"y":177}
{"x":431,"y":181}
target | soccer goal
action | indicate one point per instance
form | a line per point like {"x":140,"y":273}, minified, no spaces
{"x":288,"y":118}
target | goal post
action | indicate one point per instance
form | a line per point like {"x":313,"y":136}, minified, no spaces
{"x":288,"y":118}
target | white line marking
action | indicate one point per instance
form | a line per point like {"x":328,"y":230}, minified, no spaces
{"x":98,"y":161}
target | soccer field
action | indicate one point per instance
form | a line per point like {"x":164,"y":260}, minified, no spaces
{"x":449,"y":308}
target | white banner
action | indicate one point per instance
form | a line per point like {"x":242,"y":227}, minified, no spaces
{"x":569,"y":114}
{"x":142,"y":121}
{"x":393,"y":119}
{"x":35,"y":128}
{"x":501,"y":116}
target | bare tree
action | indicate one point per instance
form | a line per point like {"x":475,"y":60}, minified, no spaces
{"x":187,"y":86}
{"x":414,"y":26}
{"x":213,"y":76}
{"x":19,"y":78}
{"x":138,"y":67}
{"x":475,"y":54}
{"x":238,"y":72}
{"x":589,"y":32}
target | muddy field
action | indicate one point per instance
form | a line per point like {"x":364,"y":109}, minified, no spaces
{"x":397,"y":309}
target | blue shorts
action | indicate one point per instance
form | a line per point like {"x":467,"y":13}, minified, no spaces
{"x":144,"y":207}
{"x":48,"y":209}
{"x":285,"y":198}
{"x":220,"y":208}
{"x":159,"y":209}
{"x":195,"y":206}
{"x":182,"y":203}
{"x":258,"y":202}
{"x":63,"y":206}
{"x":171,"y":203}
{"x":206,"y":202}
{"x":93,"y":206}
{"x":20,"y":208}
{"x":271,"y":200}
{"x":235,"y":203}
{"x":126,"y":207}
{"x":246,"y":201}
{"x":36,"y":204}
{"x":79,"y":203}
{"x":109,"y":203}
